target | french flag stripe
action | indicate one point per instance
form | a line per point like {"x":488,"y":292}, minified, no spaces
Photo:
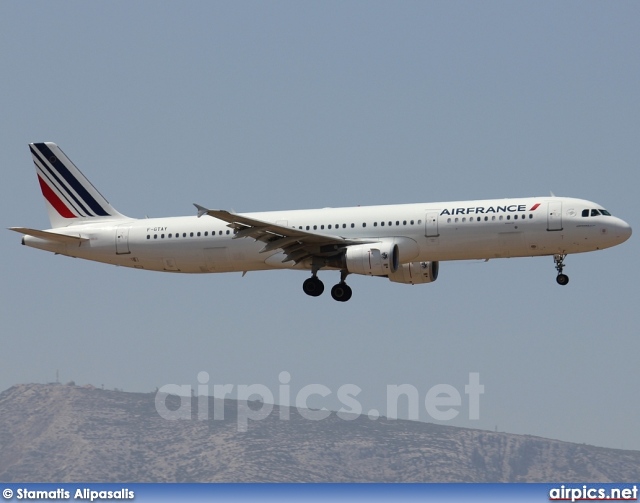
{"x":71,"y":180}
{"x":54,"y":200}
{"x":54,"y":188}
{"x":55,"y":181}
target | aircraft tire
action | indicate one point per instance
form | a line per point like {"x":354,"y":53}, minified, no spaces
{"x":313,"y":287}
{"x":341,"y":292}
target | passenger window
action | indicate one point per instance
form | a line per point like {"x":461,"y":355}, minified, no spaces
{"x":397,"y":222}
{"x":419,"y":222}
{"x":329,"y":226}
{"x":322,"y":226}
{"x":411,"y":222}
{"x":486,"y":219}
{"x":364,"y":224}
{"x":508,"y":217}
{"x":382,"y":224}
{"x":315,"y":227}
{"x":375,"y":224}
{"x":198,"y":234}
{"x":515,"y":217}
{"x":404,"y":222}
{"x":353,"y":225}
{"x":148,"y":236}
{"x":155,"y":236}
{"x":530,"y":216}
{"x":228,"y":232}
{"x":478,"y":219}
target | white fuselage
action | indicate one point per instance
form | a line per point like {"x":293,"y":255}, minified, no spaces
{"x":460,"y":230}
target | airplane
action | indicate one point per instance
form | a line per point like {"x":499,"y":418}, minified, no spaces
{"x":404,"y":243}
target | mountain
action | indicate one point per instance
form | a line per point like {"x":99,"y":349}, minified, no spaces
{"x":68,"y":433}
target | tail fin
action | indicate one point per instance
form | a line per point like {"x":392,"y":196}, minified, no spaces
{"x":69,"y":196}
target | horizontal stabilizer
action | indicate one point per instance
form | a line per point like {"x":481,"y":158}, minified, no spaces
{"x":49,"y":236}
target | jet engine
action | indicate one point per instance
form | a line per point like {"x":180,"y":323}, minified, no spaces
{"x":374,"y":259}
{"x":416,"y":273}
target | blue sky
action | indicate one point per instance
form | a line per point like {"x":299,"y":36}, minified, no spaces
{"x":275,"y":105}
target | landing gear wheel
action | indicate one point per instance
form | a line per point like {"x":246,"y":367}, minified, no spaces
{"x":313,"y":286}
{"x":562,"y":279}
{"x":341,"y":292}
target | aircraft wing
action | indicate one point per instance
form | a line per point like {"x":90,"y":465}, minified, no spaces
{"x":297,"y":244}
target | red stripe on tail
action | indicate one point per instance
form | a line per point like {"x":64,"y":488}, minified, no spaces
{"x":54,"y":200}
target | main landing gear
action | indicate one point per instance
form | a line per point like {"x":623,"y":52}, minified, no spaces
{"x":562,"y":279}
{"x":340,"y":292}
{"x":313,"y":286}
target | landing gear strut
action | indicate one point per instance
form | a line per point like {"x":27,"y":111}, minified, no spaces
{"x":562,"y":279}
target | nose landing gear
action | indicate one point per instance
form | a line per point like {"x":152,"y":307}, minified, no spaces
{"x":561,"y":279}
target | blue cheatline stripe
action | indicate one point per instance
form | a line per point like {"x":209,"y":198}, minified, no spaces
{"x":59,"y":184}
{"x":72,"y":181}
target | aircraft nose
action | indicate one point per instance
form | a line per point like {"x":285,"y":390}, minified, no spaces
{"x":623,"y":231}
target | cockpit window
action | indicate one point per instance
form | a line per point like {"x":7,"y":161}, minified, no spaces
{"x":594,"y":213}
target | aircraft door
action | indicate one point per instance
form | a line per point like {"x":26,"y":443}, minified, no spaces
{"x":431,"y":224}
{"x":554,"y":216}
{"x":122,"y":240}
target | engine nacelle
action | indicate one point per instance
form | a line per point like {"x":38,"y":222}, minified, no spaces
{"x":416,"y":273}
{"x":374,"y":259}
